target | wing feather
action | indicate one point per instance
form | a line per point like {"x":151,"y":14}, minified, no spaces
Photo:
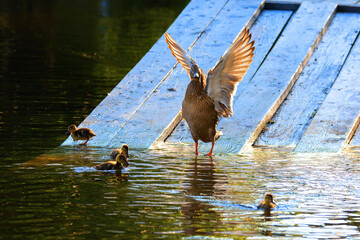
{"x":228,"y":72}
{"x":181,"y":56}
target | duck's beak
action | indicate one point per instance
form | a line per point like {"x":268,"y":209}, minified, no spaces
{"x":127,"y":155}
{"x":272,"y":201}
{"x":67,"y":132}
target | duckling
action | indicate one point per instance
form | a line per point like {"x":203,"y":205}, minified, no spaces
{"x":268,"y":203}
{"x":80,"y":133}
{"x":123,"y":150}
{"x":209,"y":97}
{"x":119,"y":163}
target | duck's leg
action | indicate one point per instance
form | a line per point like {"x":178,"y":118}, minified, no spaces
{"x":212,"y":146}
{"x":196,"y":148}
{"x":84,"y":142}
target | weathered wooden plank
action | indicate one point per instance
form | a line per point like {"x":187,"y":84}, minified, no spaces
{"x":113,"y":112}
{"x":148,"y":123}
{"x":338,"y":116}
{"x":265,"y":31}
{"x":275,"y":78}
{"x":310,"y":90}
{"x":356,"y":139}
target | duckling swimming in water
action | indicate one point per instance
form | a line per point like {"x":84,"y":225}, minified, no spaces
{"x":209,"y":97}
{"x":123,"y":150}
{"x":268,"y":203}
{"x":80,"y":133}
{"x":119,"y":163}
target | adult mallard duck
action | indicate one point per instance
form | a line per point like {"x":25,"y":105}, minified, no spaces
{"x":80,"y":133}
{"x":268,"y":203}
{"x":119,"y":163}
{"x":123,"y":150}
{"x":209,"y":97}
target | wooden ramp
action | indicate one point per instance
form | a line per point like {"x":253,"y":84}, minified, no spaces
{"x":301,"y":93}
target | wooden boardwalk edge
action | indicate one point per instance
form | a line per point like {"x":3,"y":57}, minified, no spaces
{"x":144,"y":109}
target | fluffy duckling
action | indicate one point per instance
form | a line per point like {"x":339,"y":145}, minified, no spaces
{"x":119,"y":163}
{"x":209,"y":97}
{"x":268,"y":203}
{"x":80,"y":133}
{"x":123,"y":150}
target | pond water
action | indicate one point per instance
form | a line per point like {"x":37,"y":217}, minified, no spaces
{"x":58,"y":60}
{"x":168,"y":193}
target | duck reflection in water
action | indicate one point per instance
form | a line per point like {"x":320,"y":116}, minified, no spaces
{"x":267,"y":204}
{"x":201,"y":180}
{"x":80,"y":133}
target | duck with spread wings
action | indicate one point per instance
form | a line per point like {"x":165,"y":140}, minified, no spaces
{"x":210,"y":96}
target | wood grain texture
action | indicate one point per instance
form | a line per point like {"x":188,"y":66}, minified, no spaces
{"x":133,"y":90}
{"x":275,"y":78}
{"x":150,"y":120}
{"x":355,"y":141}
{"x":338,"y":116}
{"x":310,"y":90}
{"x":265,"y":32}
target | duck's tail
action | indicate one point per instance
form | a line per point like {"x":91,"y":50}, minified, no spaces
{"x":218,"y":134}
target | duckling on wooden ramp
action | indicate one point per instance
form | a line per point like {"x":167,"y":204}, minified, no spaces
{"x":80,"y":133}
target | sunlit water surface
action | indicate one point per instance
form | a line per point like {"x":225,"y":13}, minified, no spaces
{"x":58,"y":60}
{"x":168,"y":193}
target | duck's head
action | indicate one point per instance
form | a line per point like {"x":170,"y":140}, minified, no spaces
{"x":71,"y":128}
{"x":125,"y":150}
{"x":122,"y":160}
{"x":269,"y":198}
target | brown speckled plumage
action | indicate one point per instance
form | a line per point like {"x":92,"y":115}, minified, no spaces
{"x":209,"y":97}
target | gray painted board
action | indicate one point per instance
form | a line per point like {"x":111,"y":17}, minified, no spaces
{"x":113,"y":112}
{"x":310,"y":90}
{"x":150,"y":120}
{"x":265,"y":31}
{"x":275,"y":78}
{"x":338,"y":117}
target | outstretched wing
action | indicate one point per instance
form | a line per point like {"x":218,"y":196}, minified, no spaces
{"x":228,"y":72}
{"x":182,"y":57}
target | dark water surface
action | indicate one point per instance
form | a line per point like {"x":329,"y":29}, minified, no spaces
{"x":58,"y":60}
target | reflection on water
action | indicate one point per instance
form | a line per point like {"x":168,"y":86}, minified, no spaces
{"x":168,"y":193}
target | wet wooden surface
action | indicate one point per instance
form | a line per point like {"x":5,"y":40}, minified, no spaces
{"x":338,"y":116}
{"x":287,"y":97}
{"x":275,"y":77}
{"x":299,"y":108}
